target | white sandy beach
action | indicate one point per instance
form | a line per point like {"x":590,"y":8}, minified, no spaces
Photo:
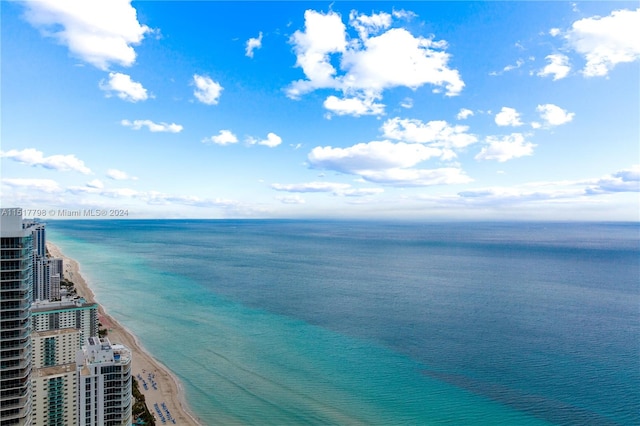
{"x":167,"y":393}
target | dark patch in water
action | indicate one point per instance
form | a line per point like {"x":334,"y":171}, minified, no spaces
{"x":547,"y":409}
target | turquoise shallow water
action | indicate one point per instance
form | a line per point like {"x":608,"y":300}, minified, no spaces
{"x":358,"y":323}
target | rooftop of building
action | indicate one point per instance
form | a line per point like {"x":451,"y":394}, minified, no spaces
{"x":66,"y":303}
{"x":56,"y":332}
{"x":54,"y":370}
{"x":99,"y":351}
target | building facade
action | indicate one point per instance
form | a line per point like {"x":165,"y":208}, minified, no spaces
{"x":67,"y":313}
{"x":53,"y":380}
{"x":16,"y":286}
{"x":104,"y":384}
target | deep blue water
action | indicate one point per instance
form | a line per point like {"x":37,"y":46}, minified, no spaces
{"x":311,"y":322}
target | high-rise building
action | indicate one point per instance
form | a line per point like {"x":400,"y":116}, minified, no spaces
{"x":54,"y":377}
{"x":104,"y":384}
{"x":47,"y":272}
{"x":56,"y":275}
{"x":67,"y":313}
{"x":16,"y":286}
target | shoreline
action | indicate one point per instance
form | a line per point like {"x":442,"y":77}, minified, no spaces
{"x":168,"y":393}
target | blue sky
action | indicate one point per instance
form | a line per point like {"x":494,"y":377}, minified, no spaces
{"x":391,"y":110}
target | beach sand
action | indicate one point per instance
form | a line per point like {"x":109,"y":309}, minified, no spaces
{"x":168,"y":394}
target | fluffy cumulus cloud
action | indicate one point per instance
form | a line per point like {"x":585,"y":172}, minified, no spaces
{"x":100,"y":32}
{"x":505,"y":148}
{"x":356,"y":106}
{"x":464,"y":113}
{"x":553,"y":115}
{"x":436,"y":133}
{"x":225,"y":137}
{"x":116,"y":174}
{"x":379,"y":58}
{"x":271,"y":141}
{"x":396,"y":159}
{"x":123,"y":87}
{"x":152,"y":126}
{"x":386,"y":162}
{"x":207,"y":91}
{"x":252,"y":44}
{"x":508,"y":117}
{"x":558,"y":66}
{"x":363,"y":157}
{"x":33,"y":157}
{"x":606,"y":41}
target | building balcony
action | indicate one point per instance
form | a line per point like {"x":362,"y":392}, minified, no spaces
{"x":15,"y":265}
{"x":16,"y":285}
{"x":14,"y":315}
{"x":15,"y":275}
{"x":13,"y":403}
{"x":13,"y":296}
{"x":15,"y":306}
{"x":16,"y":344}
{"x":15,"y":325}
{"x":15,"y":364}
{"x":15,"y":374}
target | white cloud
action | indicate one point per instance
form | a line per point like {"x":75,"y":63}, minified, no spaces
{"x":417,"y":177}
{"x":436,"y":133}
{"x":464,"y":113}
{"x":43,"y":185}
{"x":369,"y":64}
{"x":505,"y":148}
{"x":554,"y":32}
{"x":225,"y":137}
{"x":291,"y":199}
{"x":116,"y":174}
{"x":508,"y":68}
{"x":369,"y":24}
{"x":360,"y":192}
{"x":99,"y":32}
{"x":375,"y":155}
{"x":153,"y":127}
{"x":553,"y":115}
{"x":387,"y":163}
{"x":33,"y":157}
{"x":606,"y":41}
{"x":397,"y":58}
{"x":96,"y":183}
{"x":311,"y":187}
{"x":252,"y":44}
{"x":407,"y":103}
{"x":125,"y":88}
{"x":207,"y":91}
{"x":356,"y":106}
{"x":338,"y":189}
{"x":324,"y":34}
{"x":271,"y":141}
{"x":627,"y":180}
{"x":508,"y":117}
{"x":120,"y":193}
{"x":558,"y":66}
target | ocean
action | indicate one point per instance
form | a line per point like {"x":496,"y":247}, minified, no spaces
{"x":290,"y":322}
